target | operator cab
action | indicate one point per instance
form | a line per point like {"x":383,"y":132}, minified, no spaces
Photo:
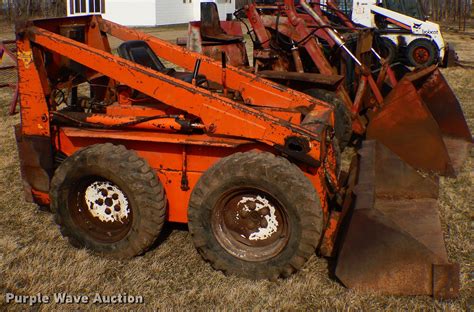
{"x":138,"y":51}
{"x":413,"y":8}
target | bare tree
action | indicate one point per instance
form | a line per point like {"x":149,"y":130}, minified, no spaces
{"x":21,"y":9}
{"x":449,"y":10}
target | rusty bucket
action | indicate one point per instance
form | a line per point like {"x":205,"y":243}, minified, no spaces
{"x":394,"y":241}
{"x":423,"y":123}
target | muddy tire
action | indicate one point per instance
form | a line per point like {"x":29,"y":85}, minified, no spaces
{"x":107,"y":199}
{"x":255,"y":215}
{"x":422,"y":53}
{"x":388,"y":50}
{"x":343,"y":126}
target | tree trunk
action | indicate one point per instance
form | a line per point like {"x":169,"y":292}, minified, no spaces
{"x":28,"y":8}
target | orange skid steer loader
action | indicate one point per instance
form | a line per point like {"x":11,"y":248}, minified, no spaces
{"x":118,"y":144}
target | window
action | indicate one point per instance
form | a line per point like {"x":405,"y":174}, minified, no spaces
{"x":78,"y":6}
{"x":410,"y":8}
{"x":96,"y":6}
{"x":86,"y":6}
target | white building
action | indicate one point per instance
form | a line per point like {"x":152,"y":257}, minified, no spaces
{"x":146,"y":12}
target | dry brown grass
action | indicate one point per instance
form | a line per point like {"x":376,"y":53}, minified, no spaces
{"x":35,"y":258}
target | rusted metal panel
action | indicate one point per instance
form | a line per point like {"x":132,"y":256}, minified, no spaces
{"x":236,"y":54}
{"x":458,"y":151}
{"x":212,"y":37}
{"x":446,"y":110}
{"x":211,"y":27}
{"x":163,"y":122}
{"x":34,"y":109}
{"x":446,"y":283}
{"x":422,"y":122}
{"x":443,"y":104}
{"x":36,"y":162}
{"x":394,"y":237}
{"x":129,"y":135}
{"x":405,"y":125}
{"x":235,"y":51}
{"x":330,"y":80}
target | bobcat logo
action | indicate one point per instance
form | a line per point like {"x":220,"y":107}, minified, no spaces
{"x":26,"y":57}
{"x":416,"y":26}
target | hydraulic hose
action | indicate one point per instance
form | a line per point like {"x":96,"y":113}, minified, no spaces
{"x":334,"y":36}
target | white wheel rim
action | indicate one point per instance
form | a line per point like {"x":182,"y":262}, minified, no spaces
{"x":107,"y":202}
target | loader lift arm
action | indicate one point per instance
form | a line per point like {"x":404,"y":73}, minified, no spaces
{"x":254,"y":90}
{"x":221,"y":116}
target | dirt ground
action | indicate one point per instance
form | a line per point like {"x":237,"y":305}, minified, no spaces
{"x":34,"y":258}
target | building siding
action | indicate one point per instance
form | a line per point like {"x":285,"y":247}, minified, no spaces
{"x":174,"y":11}
{"x":183,"y":11}
{"x":131,"y":13}
{"x":158,"y":12}
{"x":125,"y":12}
{"x":224,"y":6}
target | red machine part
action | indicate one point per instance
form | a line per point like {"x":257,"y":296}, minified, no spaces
{"x":8,"y":73}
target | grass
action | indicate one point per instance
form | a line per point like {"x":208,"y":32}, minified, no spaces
{"x":34,"y":258}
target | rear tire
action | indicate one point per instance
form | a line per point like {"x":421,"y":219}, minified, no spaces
{"x":255,"y":215}
{"x":343,"y":126}
{"x":422,"y":53}
{"x":109,"y":200}
{"x":388,"y":50}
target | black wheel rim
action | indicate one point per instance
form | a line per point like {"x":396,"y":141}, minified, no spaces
{"x":100,"y":209}
{"x":250,"y":224}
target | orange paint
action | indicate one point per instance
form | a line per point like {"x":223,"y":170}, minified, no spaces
{"x":218,"y":126}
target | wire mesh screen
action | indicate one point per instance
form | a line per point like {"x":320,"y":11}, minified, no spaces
{"x":8,"y":73}
{"x":8,"y":77}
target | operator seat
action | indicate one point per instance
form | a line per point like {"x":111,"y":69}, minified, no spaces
{"x":211,"y":29}
{"x":139,"y":51}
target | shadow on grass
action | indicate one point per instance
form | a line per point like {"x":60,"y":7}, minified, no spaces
{"x":168,"y":228}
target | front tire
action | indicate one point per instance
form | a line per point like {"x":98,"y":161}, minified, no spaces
{"x":255,"y":215}
{"x":109,"y":200}
{"x":422,"y":53}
